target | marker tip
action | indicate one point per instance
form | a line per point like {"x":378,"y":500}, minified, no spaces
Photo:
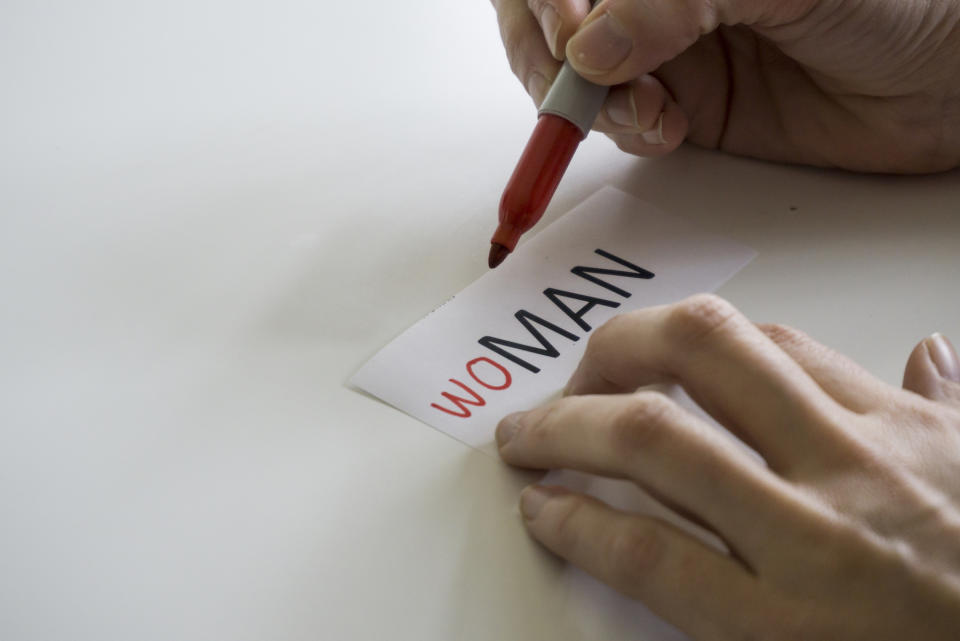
{"x":497,"y":254}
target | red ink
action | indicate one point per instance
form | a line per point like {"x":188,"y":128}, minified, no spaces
{"x":459,"y":402}
{"x":507,"y":379}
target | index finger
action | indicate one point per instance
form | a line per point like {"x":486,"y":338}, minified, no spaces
{"x":726,"y":364}
{"x":530,"y":58}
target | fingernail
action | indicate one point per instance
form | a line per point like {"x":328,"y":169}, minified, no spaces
{"x":532,"y":500}
{"x":600,"y":46}
{"x":621,"y":109}
{"x":655,"y":135}
{"x":508,"y":428}
{"x":944,"y":357}
{"x":537,"y":87}
{"x":550,"y":23}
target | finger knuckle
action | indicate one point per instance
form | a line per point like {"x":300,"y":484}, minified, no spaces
{"x":539,"y":433}
{"x":635,"y":552}
{"x":512,"y":32}
{"x":699,"y":317}
{"x":567,"y":533}
{"x":784,"y":334}
{"x":640,"y":424}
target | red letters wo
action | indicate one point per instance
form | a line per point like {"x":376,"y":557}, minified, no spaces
{"x":459,"y":402}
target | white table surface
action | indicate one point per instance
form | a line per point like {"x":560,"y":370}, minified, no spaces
{"x":212,"y":212}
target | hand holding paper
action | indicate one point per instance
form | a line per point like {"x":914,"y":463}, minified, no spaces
{"x":845,"y":529}
{"x":849,"y":531}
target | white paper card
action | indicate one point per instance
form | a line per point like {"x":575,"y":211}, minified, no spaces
{"x":510,"y":340}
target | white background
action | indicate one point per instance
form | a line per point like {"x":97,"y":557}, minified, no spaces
{"x":212,"y":212}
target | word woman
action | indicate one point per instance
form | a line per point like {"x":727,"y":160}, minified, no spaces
{"x":493,"y":373}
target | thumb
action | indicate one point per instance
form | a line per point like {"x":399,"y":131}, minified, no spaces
{"x":623,"y":39}
{"x":933,"y":370}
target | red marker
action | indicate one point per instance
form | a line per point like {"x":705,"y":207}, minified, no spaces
{"x":566,"y":116}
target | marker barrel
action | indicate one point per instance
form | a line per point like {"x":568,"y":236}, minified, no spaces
{"x":535,"y":179}
{"x":566,"y":117}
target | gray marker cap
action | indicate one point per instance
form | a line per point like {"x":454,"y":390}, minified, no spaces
{"x":574,"y":99}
